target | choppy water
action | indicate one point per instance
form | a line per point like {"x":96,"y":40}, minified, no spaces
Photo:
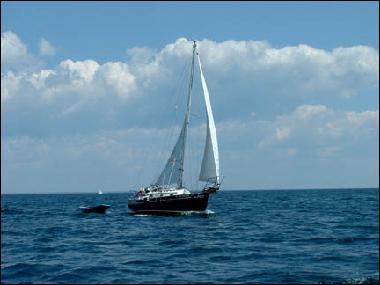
{"x":284,"y":236}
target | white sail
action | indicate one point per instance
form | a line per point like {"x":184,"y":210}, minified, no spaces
{"x":172,"y":173}
{"x":210,"y":162}
{"x":100,"y":191}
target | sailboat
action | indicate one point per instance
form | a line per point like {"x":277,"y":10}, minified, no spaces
{"x":169,"y":194}
{"x":100,"y":191}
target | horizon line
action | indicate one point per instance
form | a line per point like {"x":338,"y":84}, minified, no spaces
{"x":228,"y":190}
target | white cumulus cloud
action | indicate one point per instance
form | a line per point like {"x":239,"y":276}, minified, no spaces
{"x":327,"y":127}
{"x":15,"y":55}
{"x":12,"y":48}
{"x":244,"y":77}
{"x":46,"y":48}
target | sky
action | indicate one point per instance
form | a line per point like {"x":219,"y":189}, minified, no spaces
{"x":93,"y":93}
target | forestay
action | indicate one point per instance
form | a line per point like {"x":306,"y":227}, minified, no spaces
{"x":210,"y":162}
{"x":173,"y":171}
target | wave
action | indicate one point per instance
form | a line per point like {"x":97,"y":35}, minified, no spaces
{"x":364,"y":280}
{"x":6,"y":210}
{"x":237,"y":241}
{"x":25,"y":270}
{"x":204,"y":213}
{"x":341,"y":240}
{"x":198,"y":213}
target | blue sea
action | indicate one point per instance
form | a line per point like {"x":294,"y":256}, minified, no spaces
{"x":277,"y":236}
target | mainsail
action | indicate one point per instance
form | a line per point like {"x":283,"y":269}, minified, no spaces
{"x":173,"y":170}
{"x":210,"y":162}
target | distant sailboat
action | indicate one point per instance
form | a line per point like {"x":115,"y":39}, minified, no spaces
{"x":168,"y":194}
{"x":100,"y":191}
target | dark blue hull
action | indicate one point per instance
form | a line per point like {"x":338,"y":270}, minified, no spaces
{"x":170,"y":204}
{"x":101,"y":209}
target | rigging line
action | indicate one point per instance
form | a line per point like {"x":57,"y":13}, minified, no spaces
{"x":177,"y":92}
{"x":198,"y":138}
{"x":189,"y":167}
{"x":200,"y":118}
{"x":187,"y":117}
{"x":193,"y":140}
{"x":151,"y":150}
{"x":193,"y":163}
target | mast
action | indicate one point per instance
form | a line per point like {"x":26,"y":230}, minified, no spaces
{"x":172,"y":173}
{"x":187,"y":117}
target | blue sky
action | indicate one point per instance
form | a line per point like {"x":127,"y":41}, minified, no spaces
{"x":294,"y":86}
{"x":104,"y":30}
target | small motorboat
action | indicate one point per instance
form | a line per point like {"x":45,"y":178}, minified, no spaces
{"x":96,"y":209}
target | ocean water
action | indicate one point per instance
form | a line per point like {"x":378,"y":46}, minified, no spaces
{"x":282,"y":236}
